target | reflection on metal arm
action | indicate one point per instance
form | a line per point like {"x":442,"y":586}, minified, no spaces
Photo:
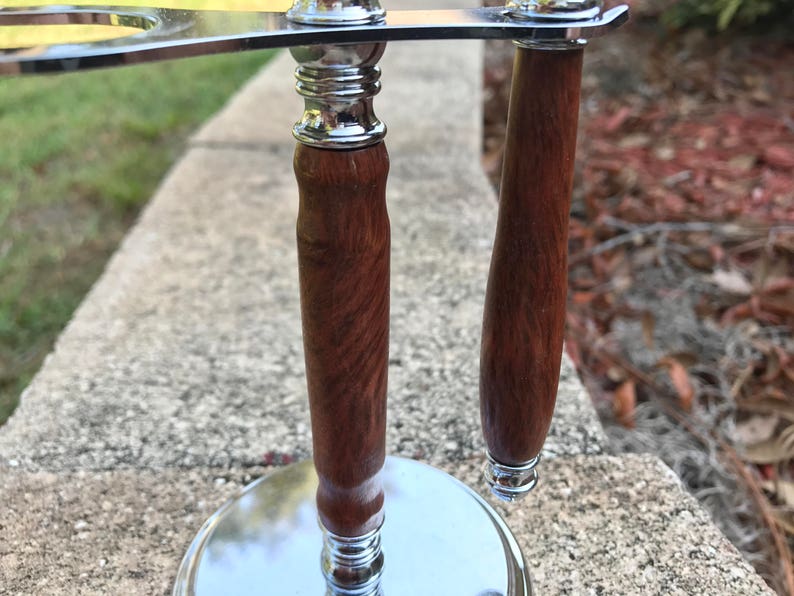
{"x":168,"y":33}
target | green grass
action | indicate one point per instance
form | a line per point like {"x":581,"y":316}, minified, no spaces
{"x":81,"y":153}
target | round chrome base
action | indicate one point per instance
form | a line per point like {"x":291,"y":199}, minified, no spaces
{"x":439,"y":538}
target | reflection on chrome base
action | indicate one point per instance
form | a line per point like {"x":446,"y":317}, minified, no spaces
{"x":438,"y":537}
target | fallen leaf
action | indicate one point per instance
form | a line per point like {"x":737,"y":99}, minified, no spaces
{"x":616,"y":374}
{"x":731,"y":281}
{"x":736,"y":313}
{"x":617,"y":120}
{"x":782,"y":489}
{"x":583,"y":297}
{"x":686,"y":358}
{"x":625,"y":403}
{"x":775,"y":286}
{"x":634,"y":141}
{"x":774,"y":450}
{"x":756,"y":429}
{"x":700,"y":258}
{"x":665,"y":153}
{"x":742,"y":163}
{"x":680,"y":379}
{"x":769,"y":405}
{"x":779,"y":156}
{"x":778,"y":306}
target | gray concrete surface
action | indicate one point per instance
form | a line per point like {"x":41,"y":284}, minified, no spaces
{"x":589,"y":528}
{"x":182,"y":372}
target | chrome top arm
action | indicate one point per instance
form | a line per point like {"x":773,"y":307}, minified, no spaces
{"x":169,"y":33}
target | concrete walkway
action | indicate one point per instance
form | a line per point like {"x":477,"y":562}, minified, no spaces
{"x":181,"y":374}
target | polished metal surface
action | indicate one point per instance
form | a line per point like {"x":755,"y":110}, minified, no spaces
{"x":337,"y":83}
{"x":61,"y":15}
{"x":439,"y":538}
{"x":555,"y":10}
{"x":182,"y":33}
{"x":563,"y":10}
{"x":510,"y":483}
{"x":538,"y":44}
{"x":334,"y":12}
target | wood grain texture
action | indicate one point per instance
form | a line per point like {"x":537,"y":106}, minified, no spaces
{"x":343,"y":253}
{"x":525,"y":300}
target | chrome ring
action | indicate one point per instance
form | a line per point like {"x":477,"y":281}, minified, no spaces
{"x":511,"y":483}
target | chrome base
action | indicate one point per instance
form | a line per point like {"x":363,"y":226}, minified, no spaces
{"x":440,"y":538}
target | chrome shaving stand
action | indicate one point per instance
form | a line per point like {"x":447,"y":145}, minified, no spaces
{"x":355,"y":522}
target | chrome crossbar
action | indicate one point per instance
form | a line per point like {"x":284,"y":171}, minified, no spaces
{"x":169,"y":33}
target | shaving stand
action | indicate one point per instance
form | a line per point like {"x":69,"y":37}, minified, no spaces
{"x":389,"y":525}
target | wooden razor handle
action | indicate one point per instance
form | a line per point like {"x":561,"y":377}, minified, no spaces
{"x":525,"y":300}
{"x":343,"y":256}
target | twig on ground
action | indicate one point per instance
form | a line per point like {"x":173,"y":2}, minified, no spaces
{"x":637,"y":234}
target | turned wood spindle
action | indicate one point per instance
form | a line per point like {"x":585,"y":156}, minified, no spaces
{"x":343,"y":254}
{"x":526,"y":294}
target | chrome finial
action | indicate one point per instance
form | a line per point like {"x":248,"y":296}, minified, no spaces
{"x":511,"y":483}
{"x":336,"y":12}
{"x":352,"y":566}
{"x":338,"y":83}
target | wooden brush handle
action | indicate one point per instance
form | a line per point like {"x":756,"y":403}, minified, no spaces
{"x":343,"y":256}
{"x":525,"y":300}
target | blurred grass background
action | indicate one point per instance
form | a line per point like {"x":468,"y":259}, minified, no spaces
{"x":81,"y":155}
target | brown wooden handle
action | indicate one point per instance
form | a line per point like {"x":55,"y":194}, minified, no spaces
{"x":343,"y":254}
{"x":525,"y":300}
